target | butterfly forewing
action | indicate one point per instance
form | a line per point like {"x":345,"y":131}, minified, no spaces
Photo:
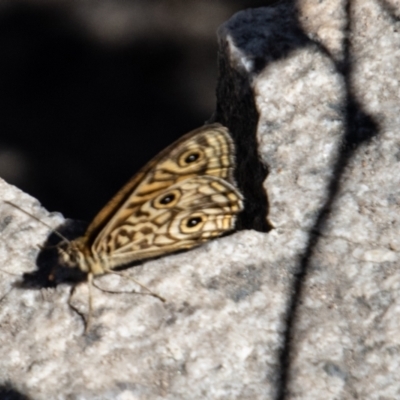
{"x":214,"y":149}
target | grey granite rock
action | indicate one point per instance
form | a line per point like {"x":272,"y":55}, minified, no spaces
{"x":221,"y":321}
{"x":328,"y":129}
{"x":345,"y":341}
{"x":308,"y":310}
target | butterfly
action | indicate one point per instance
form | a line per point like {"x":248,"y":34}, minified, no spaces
{"x":182,"y":198}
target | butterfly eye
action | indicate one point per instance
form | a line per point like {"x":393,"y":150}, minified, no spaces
{"x":192,"y":156}
{"x":167,"y":200}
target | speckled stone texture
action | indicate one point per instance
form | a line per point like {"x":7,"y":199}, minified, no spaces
{"x":309,"y":310}
{"x":221,"y":321}
{"x":346,"y":341}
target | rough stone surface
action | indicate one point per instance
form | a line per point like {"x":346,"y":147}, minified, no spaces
{"x":309,"y":310}
{"x":346,"y":343}
{"x":329,"y":133}
{"x":213,"y":329}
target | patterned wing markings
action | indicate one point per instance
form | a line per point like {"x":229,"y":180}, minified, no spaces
{"x":201,"y":208}
{"x":212,"y":153}
{"x":183,"y":197}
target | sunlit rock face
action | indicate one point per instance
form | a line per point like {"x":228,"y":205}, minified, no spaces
{"x":303,"y":300}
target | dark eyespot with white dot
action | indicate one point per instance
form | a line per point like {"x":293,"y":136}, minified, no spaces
{"x":167,"y":199}
{"x":193,"y":222}
{"x":192,"y":158}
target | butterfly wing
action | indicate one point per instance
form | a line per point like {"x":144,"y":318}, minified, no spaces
{"x":183,"y":216}
{"x":207,"y":151}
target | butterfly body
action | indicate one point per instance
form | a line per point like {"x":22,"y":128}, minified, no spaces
{"x":182,"y":198}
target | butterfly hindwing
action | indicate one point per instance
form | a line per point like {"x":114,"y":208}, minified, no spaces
{"x":198,"y":209}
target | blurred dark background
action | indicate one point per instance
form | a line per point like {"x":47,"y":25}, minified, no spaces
{"x":91,"y":90}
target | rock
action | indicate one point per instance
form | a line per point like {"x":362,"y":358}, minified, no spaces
{"x":302,"y":302}
{"x":212,"y":328}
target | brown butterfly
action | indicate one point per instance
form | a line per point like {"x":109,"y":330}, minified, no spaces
{"x":183,"y":197}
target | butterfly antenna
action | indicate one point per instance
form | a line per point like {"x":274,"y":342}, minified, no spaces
{"x":38,"y":220}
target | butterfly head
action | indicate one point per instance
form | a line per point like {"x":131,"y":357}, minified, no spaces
{"x":70,"y":253}
{"x":75,"y":254}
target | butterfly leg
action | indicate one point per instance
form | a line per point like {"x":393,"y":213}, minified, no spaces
{"x":85,"y":322}
{"x":90,"y":302}
{"x":150,"y":292}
